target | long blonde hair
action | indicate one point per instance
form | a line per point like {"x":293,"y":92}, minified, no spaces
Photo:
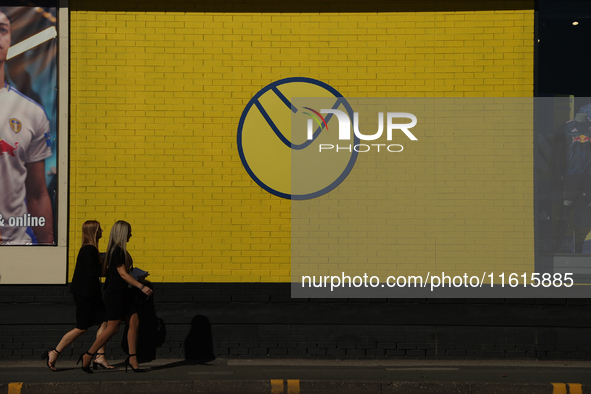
{"x":118,"y":237}
{"x":90,"y":229}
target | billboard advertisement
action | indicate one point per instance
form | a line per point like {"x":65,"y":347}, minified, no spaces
{"x":28,"y":118}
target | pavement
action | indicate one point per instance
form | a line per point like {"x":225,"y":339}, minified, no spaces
{"x":277,"y":376}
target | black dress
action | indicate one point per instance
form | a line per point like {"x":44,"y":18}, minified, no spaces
{"x":86,"y":288}
{"x":119,"y":295}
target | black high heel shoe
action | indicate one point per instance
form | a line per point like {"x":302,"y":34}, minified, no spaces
{"x":46,"y":356}
{"x":130,"y":366}
{"x":85,"y":369}
{"x":96,"y":364}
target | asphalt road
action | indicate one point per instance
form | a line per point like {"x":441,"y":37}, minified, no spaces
{"x":305,"y":376}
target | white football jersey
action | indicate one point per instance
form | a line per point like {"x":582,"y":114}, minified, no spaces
{"x":24,"y":138}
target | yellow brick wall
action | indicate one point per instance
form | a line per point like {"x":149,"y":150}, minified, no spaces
{"x":156,"y":98}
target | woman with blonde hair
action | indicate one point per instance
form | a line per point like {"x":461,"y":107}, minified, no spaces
{"x":119,"y":297}
{"x":86,"y":289}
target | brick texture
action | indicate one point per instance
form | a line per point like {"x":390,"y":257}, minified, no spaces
{"x":251,"y":326}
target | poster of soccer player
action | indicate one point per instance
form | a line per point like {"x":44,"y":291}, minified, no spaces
{"x":28,"y":114}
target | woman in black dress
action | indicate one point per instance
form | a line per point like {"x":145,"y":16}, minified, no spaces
{"x":119,"y":296}
{"x":86,"y":289}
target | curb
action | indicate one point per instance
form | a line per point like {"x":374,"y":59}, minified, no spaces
{"x":290,"y":386}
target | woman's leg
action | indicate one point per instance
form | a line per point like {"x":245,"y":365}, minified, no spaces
{"x":67,"y":339}
{"x":132,"y":333}
{"x":100,"y":356}
{"x":112,"y":328}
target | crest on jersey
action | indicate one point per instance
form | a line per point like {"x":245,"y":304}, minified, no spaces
{"x":15,"y":125}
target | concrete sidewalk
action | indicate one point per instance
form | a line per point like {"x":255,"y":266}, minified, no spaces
{"x":275,"y":376}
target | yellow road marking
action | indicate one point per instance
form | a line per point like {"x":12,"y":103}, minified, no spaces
{"x":559,"y":388}
{"x":15,"y":388}
{"x":293,"y":386}
{"x":575,"y":388}
{"x":276,"y":386}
